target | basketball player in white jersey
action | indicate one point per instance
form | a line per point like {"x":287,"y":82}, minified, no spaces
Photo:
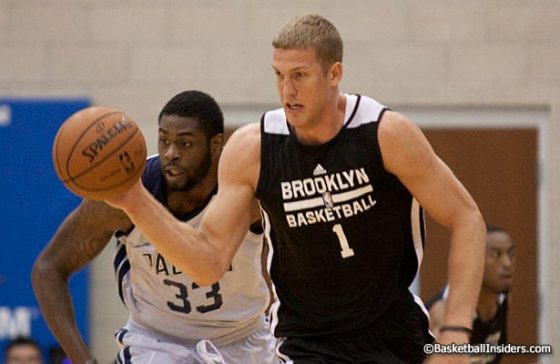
{"x":340,"y":180}
{"x":173,"y":318}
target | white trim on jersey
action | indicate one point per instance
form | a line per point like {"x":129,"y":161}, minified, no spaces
{"x":275,"y":122}
{"x":285,"y":359}
{"x":420,"y":304}
{"x":121,"y":266}
{"x":502,"y":298}
{"x":416,"y":222}
{"x":368,"y":111}
{"x":276,"y":304}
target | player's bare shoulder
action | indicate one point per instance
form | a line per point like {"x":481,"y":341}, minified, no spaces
{"x":247,"y":137}
{"x":393,"y":124}
{"x":404,"y":147}
{"x":242,"y":154}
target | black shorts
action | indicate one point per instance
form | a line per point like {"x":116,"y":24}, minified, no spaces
{"x":399,"y":338}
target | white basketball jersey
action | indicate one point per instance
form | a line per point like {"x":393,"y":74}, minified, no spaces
{"x":166,"y":301}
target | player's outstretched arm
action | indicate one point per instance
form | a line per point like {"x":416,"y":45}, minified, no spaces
{"x":408,"y":155}
{"x":205,"y":253}
{"x":83,"y":234}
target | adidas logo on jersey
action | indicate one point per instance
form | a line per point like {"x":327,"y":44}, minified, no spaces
{"x":319,"y":170}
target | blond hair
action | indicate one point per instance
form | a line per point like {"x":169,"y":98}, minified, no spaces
{"x":311,"y":31}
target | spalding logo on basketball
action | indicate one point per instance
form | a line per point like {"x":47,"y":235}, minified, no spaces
{"x":99,"y":152}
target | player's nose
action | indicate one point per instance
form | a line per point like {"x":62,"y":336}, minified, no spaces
{"x":172,"y":152}
{"x":288,"y":88}
{"x":506,"y":261}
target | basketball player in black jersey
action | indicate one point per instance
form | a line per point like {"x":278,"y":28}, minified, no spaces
{"x":340,"y":180}
{"x":490,"y":323}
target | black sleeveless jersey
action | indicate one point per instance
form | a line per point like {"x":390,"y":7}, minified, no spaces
{"x":493,"y":332}
{"x":345,"y":236}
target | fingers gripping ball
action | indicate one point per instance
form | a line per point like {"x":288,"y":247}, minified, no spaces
{"x":99,"y":152}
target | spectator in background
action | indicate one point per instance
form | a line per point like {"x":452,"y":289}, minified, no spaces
{"x":490,"y":322}
{"x":23,"y":350}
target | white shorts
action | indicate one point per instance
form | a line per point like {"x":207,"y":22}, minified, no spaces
{"x":141,"y":347}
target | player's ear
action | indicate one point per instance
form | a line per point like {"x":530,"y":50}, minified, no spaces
{"x":216,"y":144}
{"x":335,"y":73}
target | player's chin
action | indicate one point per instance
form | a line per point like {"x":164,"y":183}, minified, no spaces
{"x":505,"y":288}
{"x":176,"y":184}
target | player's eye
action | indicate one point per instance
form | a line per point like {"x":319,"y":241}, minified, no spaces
{"x":184,"y":144}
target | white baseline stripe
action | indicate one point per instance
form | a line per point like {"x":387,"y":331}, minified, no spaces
{"x":318,"y":201}
{"x":303,"y":204}
{"x":350,"y":195}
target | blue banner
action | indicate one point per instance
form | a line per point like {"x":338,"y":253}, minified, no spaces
{"x":33,"y":204}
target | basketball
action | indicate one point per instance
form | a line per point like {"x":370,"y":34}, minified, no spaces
{"x":99,"y":152}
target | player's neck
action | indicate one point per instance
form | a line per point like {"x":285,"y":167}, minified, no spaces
{"x":327,"y":125}
{"x":487,"y":304}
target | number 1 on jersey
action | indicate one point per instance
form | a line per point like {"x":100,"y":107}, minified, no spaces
{"x":346,"y":251}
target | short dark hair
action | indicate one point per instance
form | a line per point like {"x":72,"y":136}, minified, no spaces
{"x":197,"y":105}
{"x":20,"y":341}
